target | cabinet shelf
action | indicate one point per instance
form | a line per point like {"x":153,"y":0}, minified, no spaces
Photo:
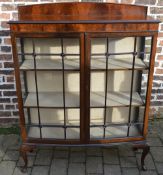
{"x":73,"y":64}
{"x":114,"y":99}
{"x":52,"y":100}
{"x":49,"y":64}
{"x":55,"y":99}
{"x":57,"y":125}
{"x":53,"y":132}
{"x":117,"y":64}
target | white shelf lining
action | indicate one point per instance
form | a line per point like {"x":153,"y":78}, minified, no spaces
{"x":50,"y":64}
{"x":73,"y":64}
{"x":117,"y":63}
{"x":115,"y":99}
{"x":97,"y":99}
{"x":53,"y":99}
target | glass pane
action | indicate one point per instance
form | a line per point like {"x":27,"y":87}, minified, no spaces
{"x":72,"y":86}
{"x":121,"y":114}
{"x":144,"y":81}
{"x":96,"y":132}
{"x":98,"y":45}
{"x":42,"y":63}
{"x":71,"y":46}
{"x":115,"y":110}
{"x":136,"y":130}
{"x":34,"y":132}
{"x":18,"y":45}
{"x":27,"y":42}
{"x":73,"y":133}
{"x":119,"y":53}
{"x":48,"y":52}
{"x":121,"y":131}
{"x":116,"y":131}
{"x":147,"y":48}
{"x":119,"y":45}
{"x":47,"y":116}
{"x":137,"y":114}
{"x":118,"y":88}
{"x":46,"y":81}
{"x":51,"y":94}
{"x":72,"y":81}
{"x":47,"y":45}
{"x":71,"y":62}
{"x":120,"y":81}
{"x":117,"y":115}
{"x":99,"y":63}
{"x":52,"y":132}
{"x":72,"y":117}
{"x":23,"y":85}
{"x":96,"y":116}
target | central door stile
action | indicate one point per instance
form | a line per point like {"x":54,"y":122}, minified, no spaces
{"x":87,"y":86}
{"x":82,"y":89}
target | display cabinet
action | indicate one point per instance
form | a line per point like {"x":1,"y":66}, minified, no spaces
{"x":83,"y":74}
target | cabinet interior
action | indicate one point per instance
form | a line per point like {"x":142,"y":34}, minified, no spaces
{"x":51,"y":90}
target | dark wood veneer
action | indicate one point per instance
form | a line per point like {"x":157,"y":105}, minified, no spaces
{"x":82,"y":11}
{"x":86,"y":21}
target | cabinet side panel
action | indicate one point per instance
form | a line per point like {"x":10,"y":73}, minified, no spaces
{"x":148,"y":96}
{"x":18,"y":88}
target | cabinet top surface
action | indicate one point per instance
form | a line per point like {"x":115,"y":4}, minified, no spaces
{"x":85,"y":12}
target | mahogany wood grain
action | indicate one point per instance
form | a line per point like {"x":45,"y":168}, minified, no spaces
{"x":42,"y":28}
{"x":18,"y":89}
{"x":82,"y":11}
{"x":82,"y":93}
{"x":87,"y":20}
{"x":149,"y":86}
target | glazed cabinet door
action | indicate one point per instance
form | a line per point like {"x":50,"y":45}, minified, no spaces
{"x":51,"y":74}
{"x":117,"y":71}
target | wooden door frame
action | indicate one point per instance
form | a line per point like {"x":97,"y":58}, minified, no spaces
{"x":19,"y":91}
{"x":88,"y":37}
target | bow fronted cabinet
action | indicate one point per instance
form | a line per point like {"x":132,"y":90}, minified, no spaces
{"x":84,"y":74}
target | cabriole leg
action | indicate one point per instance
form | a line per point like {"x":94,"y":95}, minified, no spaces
{"x":23,"y":152}
{"x":144,"y":154}
{"x":146,"y":149}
